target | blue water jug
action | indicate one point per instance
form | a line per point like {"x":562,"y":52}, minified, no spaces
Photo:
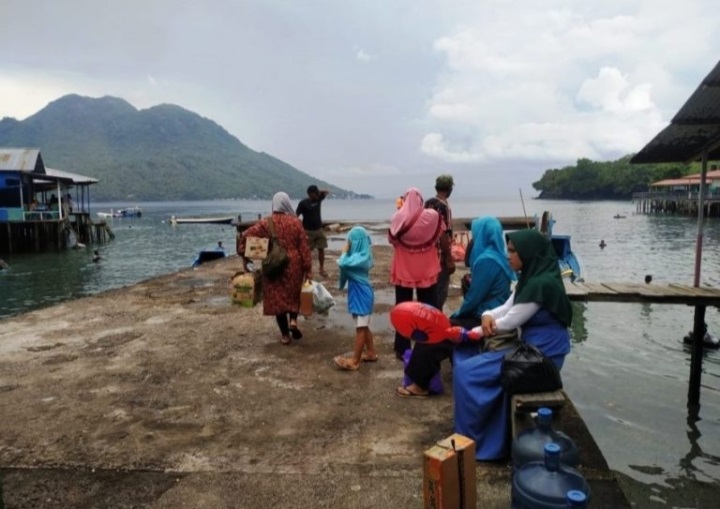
{"x":576,"y":500}
{"x":529,"y":445}
{"x":545,"y":484}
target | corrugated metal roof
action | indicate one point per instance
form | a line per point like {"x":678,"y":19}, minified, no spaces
{"x":694,"y":129}
{"x":21,"y":159}
{"x":75,"y":177}
{"x":678,"y":182}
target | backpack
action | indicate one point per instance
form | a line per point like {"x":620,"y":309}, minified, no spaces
{"x":277,"y":258}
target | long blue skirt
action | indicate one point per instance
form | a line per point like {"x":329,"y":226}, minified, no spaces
{"x":480,"y":404}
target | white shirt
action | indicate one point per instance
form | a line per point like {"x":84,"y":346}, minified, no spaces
{"x":510,"y":316}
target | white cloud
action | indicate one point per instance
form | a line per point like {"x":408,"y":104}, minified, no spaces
{"x":362,"y":56}
{"x":483,"y":87}
{"x":560,"y":81}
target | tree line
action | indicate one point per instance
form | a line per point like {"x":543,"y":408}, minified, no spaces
{"x":606,"y":180}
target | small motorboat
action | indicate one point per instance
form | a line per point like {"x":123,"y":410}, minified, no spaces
{"x":202,"y":220}
{"x":619,"y":216}
{"x":209,"y":255}
{"x":130,"y":212}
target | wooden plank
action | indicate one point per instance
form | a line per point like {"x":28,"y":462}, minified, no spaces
{"x":600,"y":288}
{"x":522,"y":404}
{"x":700,"y":292}
{"x":640,"y":289}
{"x":575,"y":289}
{"x":531,"y":402}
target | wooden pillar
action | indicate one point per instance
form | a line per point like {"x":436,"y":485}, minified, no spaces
{"x":696,"y":357}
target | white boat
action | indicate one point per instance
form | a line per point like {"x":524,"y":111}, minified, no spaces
{"x":129,"y":212}
{"x":202,"y":220}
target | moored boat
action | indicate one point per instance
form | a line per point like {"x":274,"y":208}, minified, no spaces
{"x":202,"y":220}
{"x":568,"y":262}
{"x":129,"y":212}
{"x":209,"y":255}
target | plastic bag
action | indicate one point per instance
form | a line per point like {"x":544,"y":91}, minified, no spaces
{"x":322,"y":299}
{"x":526,"y":370}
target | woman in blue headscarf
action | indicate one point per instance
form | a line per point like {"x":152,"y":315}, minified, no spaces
{"x":355,"y":264}
{"x":540,"y":308}
{"x":489,"y":287}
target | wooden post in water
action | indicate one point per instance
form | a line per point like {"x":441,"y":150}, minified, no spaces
{"x":696,"y":351}
{"x":696,"y":356}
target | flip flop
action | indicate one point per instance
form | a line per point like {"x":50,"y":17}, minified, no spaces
{"x":285,"y":340}
{"x":323,"y":273}
{"x":366,"y":358}
{"x":344,"y":363}
{"x":404,"y":392}
{"x":295,"y":332}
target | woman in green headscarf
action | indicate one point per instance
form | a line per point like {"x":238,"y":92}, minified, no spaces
{"x":539,"y":304}
{"x":539,"y":307}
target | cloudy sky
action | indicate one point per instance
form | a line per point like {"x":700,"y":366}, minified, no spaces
{"x":377,"y":95}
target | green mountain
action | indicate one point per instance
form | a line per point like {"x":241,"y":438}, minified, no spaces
{"x":161,"y":153}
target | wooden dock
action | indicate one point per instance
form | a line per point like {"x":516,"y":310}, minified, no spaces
{"x":672,"y":293}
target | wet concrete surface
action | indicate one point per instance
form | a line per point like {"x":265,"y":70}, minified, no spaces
{"x":164,"y":394}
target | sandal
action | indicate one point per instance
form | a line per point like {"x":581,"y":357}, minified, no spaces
{"x":345,"y":364}
{"x":285,"y":340}
{"x":404,"y":392}
{"x":368,"y":358}
{"x":323,"y":273}
{"x":295,"y":332}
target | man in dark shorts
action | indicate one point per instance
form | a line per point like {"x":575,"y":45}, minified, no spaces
{"x":443,"y":186}
{"x":309,"y":209}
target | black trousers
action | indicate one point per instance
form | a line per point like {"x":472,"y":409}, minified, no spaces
{"x":284,"y":323}
{"x":404,"y":294}
{"x":426,"y":358}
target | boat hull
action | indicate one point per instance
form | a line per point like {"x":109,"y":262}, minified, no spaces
{"x":203,"y":220}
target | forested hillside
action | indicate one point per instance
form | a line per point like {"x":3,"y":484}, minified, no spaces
{"x":610,"y":180}
{"x":161,"y":153}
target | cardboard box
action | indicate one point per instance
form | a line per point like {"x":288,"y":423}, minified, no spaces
{"x":256,"y":248}
{"x":449,"y":474}
{"x":246,"y":288}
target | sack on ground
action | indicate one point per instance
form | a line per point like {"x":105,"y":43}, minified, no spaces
{"x":322,"y":298}
{"x":275,"y":262}
{"x":526,"y":370}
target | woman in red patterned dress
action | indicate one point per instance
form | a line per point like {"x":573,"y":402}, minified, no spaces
{"x":281,"y":296}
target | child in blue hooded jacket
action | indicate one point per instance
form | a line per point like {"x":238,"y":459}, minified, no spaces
{"x":355,"y":264}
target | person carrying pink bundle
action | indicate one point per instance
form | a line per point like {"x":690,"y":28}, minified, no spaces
{"x":355,"y":264}
{"x":414,"y":233}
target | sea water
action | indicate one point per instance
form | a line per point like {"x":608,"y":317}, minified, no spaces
{"x":628,"y":370}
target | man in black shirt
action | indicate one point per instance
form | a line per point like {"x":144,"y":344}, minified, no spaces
{"x":443,"y":186}
{"x":309,"y":209}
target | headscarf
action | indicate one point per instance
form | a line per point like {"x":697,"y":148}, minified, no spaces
{"x":413,"y":226}
{"x":358,"y":260}
{"x":540,"y":280}
{"x":281,"y":203}
{"x":488,"y":243}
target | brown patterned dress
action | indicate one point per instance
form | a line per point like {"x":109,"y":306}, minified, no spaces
{"x":282,"y":295}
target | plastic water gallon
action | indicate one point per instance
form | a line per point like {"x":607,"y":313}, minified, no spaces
{"x":529,"y":445}
{"x":576,"y":499}
{"x":545,"y":484}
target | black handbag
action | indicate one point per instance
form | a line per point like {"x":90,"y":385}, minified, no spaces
{"x":526,"y":370}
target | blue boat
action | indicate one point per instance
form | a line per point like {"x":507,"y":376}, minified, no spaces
{"x":567,"y":260}
{"x":209,"y":255}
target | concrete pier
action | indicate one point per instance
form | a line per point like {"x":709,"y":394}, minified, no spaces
{"x":164,"y":395}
